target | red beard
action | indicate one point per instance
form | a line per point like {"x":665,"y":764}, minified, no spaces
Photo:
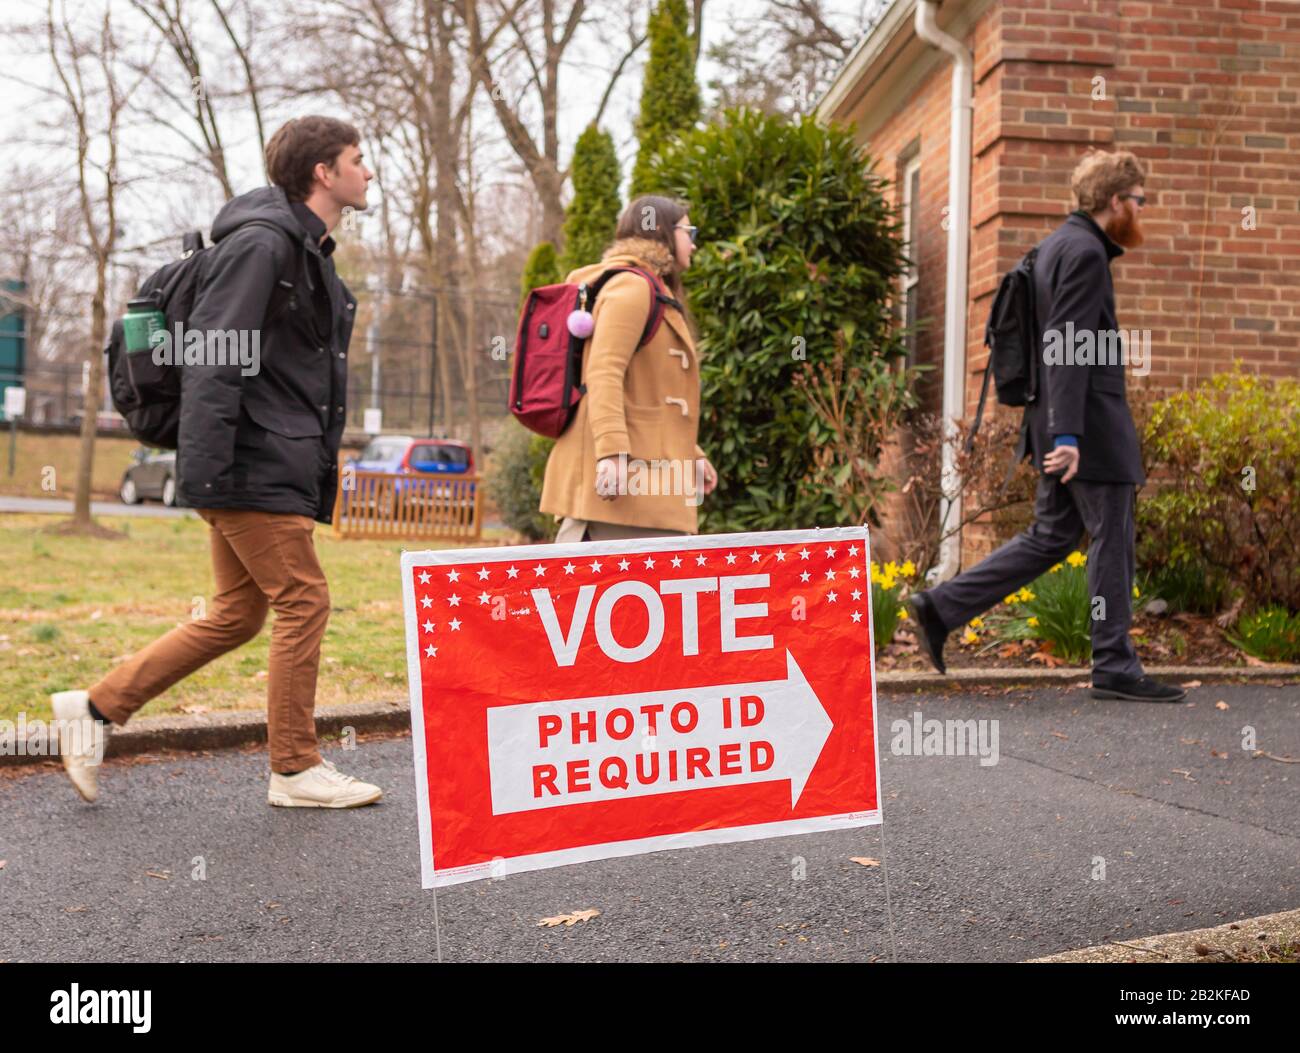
{"x":1125,"y":230}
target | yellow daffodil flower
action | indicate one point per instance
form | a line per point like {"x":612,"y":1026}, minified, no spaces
{"x":1076,"y":559}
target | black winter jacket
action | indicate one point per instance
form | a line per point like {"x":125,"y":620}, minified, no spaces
{"x":1073,"y":294}
{"x":268,"y":440}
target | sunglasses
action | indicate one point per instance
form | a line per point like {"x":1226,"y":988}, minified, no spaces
{"x":1141,"y":199}
{"x":691,"y":231}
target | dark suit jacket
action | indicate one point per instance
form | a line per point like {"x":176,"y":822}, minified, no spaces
{"x":1074,"y":296}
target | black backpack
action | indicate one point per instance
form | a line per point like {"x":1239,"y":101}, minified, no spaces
{"x":1012,"y":337}
{"x":145,"y":393}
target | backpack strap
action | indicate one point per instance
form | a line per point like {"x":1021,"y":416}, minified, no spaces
{"x":658,"y":299}
{"x":284,"y":285}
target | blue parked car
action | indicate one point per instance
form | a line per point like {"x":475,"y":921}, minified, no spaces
{"x":425,"y":461}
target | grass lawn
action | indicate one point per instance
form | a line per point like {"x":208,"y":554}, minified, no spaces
{"x":36,"y":454}
{"x":70,"y":608}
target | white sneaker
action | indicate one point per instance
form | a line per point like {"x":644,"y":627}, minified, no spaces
{"x":81,"y":740}
{"x":323,"y":786}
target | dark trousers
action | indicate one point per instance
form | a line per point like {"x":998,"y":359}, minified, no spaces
{"x":1062,"y":511}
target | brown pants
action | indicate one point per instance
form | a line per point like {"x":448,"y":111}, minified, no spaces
{"x":258,"y":559}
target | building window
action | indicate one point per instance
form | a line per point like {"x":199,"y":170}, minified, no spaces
{"x":911,"y":277}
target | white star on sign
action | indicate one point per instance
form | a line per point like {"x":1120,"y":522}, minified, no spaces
{"x":804,"y":576}
{"x":853,"y":550}
{"x":856,"y":594}
{"x":539,"y":570}
{"x":649,"y":562}
{"x":454,"y":600}
{"x":830,"y":553}
{"x":483,"y":597}
{"x":595,"y":565}
{"x":623,"y":564}
{"x":803,"y":554}
{"x":482,"y":573}
{"x":831,"y":597}
{"x":853,"y":572}
{"x":731,"y":557}
{"x":780,"y":557}
{"x":431,"y":651}
{"x":454,"y":576}
{"x":753,"y":557}
{"x":425,"y":601}
{"x":428,"y":627}
{"x":455,"y":625}
{"x":677,"y":561}
{"x":424,"y":577}
{"x":857,"y":616}
{"x":700,"y":559}
{"x":568,"y":568}
{"x":830,"y":575}
{"x":511,"y":572}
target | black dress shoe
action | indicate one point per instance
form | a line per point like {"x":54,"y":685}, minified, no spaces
{"x":1135,"y":689}
{"x":930,"y":630}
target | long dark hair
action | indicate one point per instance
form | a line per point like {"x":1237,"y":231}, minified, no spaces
{"x":654,"y":216}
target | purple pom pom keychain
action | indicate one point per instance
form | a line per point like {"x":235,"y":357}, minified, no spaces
{"x":580,"y":323}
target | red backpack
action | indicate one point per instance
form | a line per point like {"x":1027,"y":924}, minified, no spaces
{"x":556,"y":322}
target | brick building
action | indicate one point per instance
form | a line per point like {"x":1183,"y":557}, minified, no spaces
{"x":1204,"y":92}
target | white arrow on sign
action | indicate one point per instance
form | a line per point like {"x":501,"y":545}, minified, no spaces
{"x":525,"y":742}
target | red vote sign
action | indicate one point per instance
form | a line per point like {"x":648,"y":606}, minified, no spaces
{"x":580,"y":701}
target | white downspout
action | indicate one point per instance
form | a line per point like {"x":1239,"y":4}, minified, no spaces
{"x":957,"y":289}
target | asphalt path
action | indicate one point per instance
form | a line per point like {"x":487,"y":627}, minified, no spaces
{"x":1100,"y":821}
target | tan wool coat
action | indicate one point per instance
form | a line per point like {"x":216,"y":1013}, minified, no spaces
{"x":641,"y":401}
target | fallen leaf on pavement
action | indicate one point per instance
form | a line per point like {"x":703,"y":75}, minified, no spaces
{"x":165,"y":875}
{"x":1257,"y":753}
{"x":568,"y":919}
{"x":1221,"y":705}
{"x":1184,"y":773}
{"x":1191,"y":683}
{"x":1060,"y":734}
{"x":865,"y":861}
{"x":1047,"y":658}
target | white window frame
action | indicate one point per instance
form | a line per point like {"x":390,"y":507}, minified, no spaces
{"x":911,"y":276}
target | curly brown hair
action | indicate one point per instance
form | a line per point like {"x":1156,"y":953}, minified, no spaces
{"x":1100,"y":175}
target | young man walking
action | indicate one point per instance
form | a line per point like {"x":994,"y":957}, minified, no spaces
{"x":258,"y":458}
{"x":1081,"y":436}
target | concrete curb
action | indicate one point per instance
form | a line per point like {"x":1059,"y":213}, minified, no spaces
{"x":1219,"y":674}
{"x":1267,"y":929}
{"x":247,"y":727}
{"x":210,"y":731}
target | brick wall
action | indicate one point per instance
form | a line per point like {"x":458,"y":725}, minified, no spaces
{"x":1205,"y":93}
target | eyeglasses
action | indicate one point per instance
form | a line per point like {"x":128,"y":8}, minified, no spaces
{"x":1141,"y":199}
{"x":691,"y":231}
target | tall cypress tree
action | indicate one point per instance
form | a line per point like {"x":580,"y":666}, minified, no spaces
{"x":592,"y":215}
{"x":542,"y":268}
{"x":670,"y":98}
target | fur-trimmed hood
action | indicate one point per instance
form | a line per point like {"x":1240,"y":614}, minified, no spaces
{"x":642,"y":252}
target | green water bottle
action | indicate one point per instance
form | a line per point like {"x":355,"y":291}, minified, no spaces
{"x":141,"y":321}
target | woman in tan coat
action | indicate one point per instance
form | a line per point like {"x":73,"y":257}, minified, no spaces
{"x":629,"y":464}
